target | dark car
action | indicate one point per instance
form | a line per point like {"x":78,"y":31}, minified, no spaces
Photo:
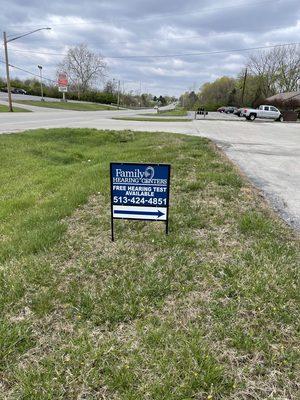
{"x":18,"y":91}
{"x":230,"y":110}
{"x":3,"y":89}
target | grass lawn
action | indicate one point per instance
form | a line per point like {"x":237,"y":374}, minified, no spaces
{"x":208,"y":312}
{"x":66,"y":105}
{"x":154,"y":119}
{"x":4,"y":108}
{"x":177,"y":112}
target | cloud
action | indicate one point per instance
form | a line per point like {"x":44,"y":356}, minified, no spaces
{"x":123,"y":28}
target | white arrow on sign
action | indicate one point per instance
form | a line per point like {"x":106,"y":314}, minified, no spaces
{"x":135,"y":212}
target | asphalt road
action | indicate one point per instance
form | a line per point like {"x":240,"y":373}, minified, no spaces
{"x":268,"y":152}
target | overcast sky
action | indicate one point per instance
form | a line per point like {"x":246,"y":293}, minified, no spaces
{"x":123,"y":28}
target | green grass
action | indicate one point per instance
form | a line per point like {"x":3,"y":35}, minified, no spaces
{"x":154,"y":119}
{"x":66,"y":105}
{"x":4,"y":108}
{"x":208,"y":312}
{"x":177,"y":112}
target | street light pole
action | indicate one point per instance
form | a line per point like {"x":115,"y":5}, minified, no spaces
{"x":41,"y":76}
{"x":10,"y":107}
{"x":5,"y":41}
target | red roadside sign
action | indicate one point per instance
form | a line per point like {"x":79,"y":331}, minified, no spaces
{"x":62,"y":79}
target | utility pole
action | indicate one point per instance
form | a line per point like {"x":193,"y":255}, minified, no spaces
{"x":10,"y":107}
{"x":41,"y":76}
{"x":140,"y":93}
{"x":244,"y":85}
{"x":119,"y":83}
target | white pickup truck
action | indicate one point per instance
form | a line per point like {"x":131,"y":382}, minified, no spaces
{"x":267,"y":112}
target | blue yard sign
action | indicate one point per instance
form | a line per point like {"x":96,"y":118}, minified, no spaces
{"x":139,"y":191}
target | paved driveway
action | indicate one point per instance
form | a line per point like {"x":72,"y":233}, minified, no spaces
{"x":268,"y":152}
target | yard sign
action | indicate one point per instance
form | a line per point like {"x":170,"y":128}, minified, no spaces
{"x":139,"y":191}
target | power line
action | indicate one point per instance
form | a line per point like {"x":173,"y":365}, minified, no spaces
{"x":28,"y":72}
{"x":173,"y":55}
{"x":153,"y":56}
{"x":202,"y":53}
{"x":32,"y":73}
{"x":158,"y":16}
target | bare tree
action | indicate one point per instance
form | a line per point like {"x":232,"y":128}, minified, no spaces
{"x":278,"y":69}
{"x":111,"y":86}
{"x":84,"y":67}
{"x":288,"y":74}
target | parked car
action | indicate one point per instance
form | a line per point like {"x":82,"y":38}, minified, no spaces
{"x":18,"y":91}
{"x":230,"y":110}
{"x":266,"y":112}
{"x":3,"y":89}
{"x":227,"y":110}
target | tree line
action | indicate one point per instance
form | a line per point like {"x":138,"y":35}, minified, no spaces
{"x":266,"y":73}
